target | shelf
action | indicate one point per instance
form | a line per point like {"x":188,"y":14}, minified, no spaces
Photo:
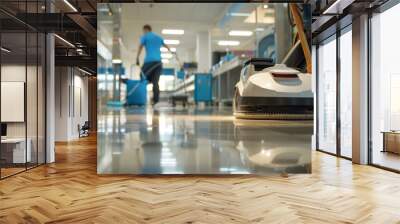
{"x":185,"y":87}
{"x":227,"y":66}
{"x":189,"y":90}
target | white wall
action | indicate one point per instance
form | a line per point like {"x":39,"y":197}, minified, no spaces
{"x":61,"y":103}
{"x":12,"y":73}
{"x":71,"y":87}
{"x":33,"y":126}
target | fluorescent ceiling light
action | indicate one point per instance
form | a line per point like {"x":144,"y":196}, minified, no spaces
{"x":172,"y":42}
{"x":239,"y":14}
{"x":5,"y":50}
{"x":116,"y":61}
{"x":243,"y":33}
{"x":261,"y":15}
{"x":165,"y":61}
{"x":172,"y":32}
{"x":102,"y":9}
{"x":70,"y":5}
{"x":337,"y":7}
{"x":164,"y":49}
{"x":228,"y":43}
{"x":166,"y":55}
{"x":65,"y":41}
{"x":84,"y":71}
{"x":265,"y":6}
{"x":332,"y":7}
{"x":259,"y":29}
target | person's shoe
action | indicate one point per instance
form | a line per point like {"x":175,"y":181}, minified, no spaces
{"x":156,"y":106}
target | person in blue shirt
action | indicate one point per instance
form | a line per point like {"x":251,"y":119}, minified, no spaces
{"x":152,"y":64}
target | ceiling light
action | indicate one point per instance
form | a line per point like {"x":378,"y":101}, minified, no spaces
{"x":116,"y":61}
{"x":260,"y":15}
{"x":84,"y":71}
{"x":172,"y":42}
{"x":164,"y":49}
{"x":239,"y":14}
{"x":228,"y":43}
{"x":102,"y":9}
{"x":70,"y":5}
{"x":337,"y":7}
{"x":259,"y":29}
{"x":166,"y":55}
{"x":165,"y":61}
{"x":172,"y":32}
{"x":65,"y":41}
{"x":5,"y":50}
{"x":244,"y":33}
{"x":265,"y":6}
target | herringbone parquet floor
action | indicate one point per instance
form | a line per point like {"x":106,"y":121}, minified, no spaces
{"x":69,"y":191}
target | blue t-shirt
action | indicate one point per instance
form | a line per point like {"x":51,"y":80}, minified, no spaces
{"x":152,"y":43}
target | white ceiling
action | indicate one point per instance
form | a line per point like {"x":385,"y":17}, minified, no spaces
{"x":191,"y":17}
{"x":173,"y":12}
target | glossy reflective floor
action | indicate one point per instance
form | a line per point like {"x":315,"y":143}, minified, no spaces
{"x":198,"y":140}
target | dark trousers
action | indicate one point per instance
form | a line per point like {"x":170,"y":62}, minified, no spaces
{"x":152,"y":71}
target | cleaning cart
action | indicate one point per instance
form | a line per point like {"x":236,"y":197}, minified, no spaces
{"x":136,"y":92}
{"x":180,"y":98}
{"x":137,"y":89}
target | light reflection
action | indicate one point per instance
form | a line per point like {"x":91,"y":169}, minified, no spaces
{"x":167,"y":158}
{"x":153,"y":141}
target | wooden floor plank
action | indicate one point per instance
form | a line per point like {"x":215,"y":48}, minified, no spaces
{"x":70,"y":191}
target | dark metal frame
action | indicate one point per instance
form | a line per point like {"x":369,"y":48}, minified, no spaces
{"x":44,"y":79}
{"x":369,"y":100}
{"x":338,"y":98}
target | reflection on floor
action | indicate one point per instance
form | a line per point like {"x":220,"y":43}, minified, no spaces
{"x":199,"y":141}
{"x":5,"y":172}
{"x":12,"y":169}
{"x":386,"y":159}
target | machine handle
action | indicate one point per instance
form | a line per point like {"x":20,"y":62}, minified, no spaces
{"x":260,"y":63}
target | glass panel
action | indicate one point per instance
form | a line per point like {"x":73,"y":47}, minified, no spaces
{"x":32,"y":87}
{"x":346,"y":94}
{"x":22,"y":88}
{"x":41,"y":99}
{"x":13,"y":86}
{"x":31,"y":97}
{"x":386,"y":89}
{"x":327,"y":96}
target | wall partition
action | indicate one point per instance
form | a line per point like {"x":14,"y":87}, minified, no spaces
{"x":22,"y":101}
